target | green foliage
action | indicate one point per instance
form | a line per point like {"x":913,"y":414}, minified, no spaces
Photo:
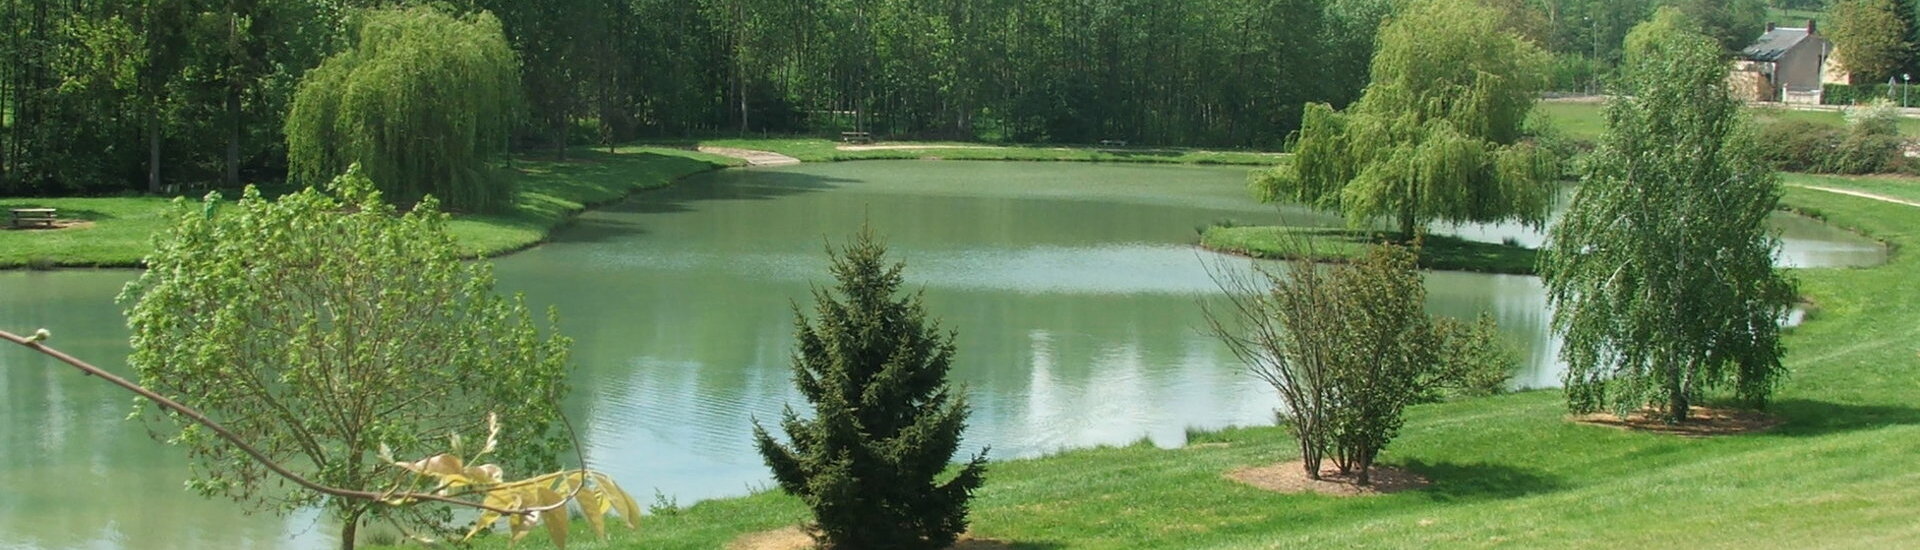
{"x":1661,"y":272}
{"x":885,"y":422}
{"x":1872,"y":38}
{"x":1870,"y":143}
{"x":100,"y":96}
{"x":1437,"y":134}
{"x":1732,"y":24}
{"x":321,"y":327}
{"x":1348,"y":348}
{"x":422,"y":101}
{"x":1797,"y":145}
{"x":1474,"y":361}
{"x":1383,"y":351}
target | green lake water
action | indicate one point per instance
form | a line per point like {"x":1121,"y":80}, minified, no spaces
{"x":1073,"y":289}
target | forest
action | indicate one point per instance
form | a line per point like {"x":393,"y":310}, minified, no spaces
{"x":108,"y":96}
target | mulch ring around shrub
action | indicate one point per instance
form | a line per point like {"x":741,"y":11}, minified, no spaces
{"x":794,"y":538}
{"x":1701,"y":422}
{"x":1291,"y":477}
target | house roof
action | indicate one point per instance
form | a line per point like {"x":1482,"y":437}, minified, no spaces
{"x":1775,"y":43}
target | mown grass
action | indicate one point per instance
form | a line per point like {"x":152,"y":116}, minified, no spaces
{"x":822,"y":150}
{"x":1436,"y":252}
{"x":550,"y":193}
{"x":1510,"y":470}
{"x":1583,"y":121}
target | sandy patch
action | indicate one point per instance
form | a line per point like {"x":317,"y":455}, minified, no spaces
{"x":753,"y":157}
{"x":1291,"y":477}
{"x":794,"y":538}
{"x":1701,"y":422}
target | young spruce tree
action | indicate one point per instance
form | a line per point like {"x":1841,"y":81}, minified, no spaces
{"x":886,"y":423}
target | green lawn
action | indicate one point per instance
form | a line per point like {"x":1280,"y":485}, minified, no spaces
{"x":822,"y":150}
{"x":1509,"y":470}
{"x":120,"y":228}
{"x":1798,"y":18}
{"x":1904,"y":188}
{"x":1437,"y":251}
{"x":1582,"y":120}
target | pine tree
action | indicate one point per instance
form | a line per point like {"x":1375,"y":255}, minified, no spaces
{"x":886,"y":423}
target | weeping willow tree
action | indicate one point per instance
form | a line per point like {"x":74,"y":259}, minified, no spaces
{"x":1437,"y":134}
{"x":422,"y":101}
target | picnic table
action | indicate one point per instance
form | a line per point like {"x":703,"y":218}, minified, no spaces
{"x":24,"y":217}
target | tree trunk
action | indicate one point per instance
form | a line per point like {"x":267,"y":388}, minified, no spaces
{"x":350,"y":529}
{"x":1677,"y":405}
{"x":233,"y":138}
{"x":153,"y":153}
{"x":1407,"y":225}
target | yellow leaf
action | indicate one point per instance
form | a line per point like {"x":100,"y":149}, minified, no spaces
{"x":484,"y":474}
{"x":629,"y":510}
{"x":497,"y":499}
{"x":593,"y":505}
{"x":440,"y":465}
{"x":556,"y":519}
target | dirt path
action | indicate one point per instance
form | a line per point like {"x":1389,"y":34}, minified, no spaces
{"x":1861,"y":194}
{"x":908,"y":146}
{"x":753,"y":158}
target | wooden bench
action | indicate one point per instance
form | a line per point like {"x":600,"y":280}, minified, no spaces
{"x":1113,"y":143}
{"x":856,"y":137}
{"x":24,"y":217}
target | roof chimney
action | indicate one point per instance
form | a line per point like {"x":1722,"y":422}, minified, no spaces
{"x":1810,"y":29}
{"x":1769,"y":26}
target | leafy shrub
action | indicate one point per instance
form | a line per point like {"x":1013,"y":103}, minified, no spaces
{"x":1474,"y":361}
{"x":1349,"y":347}
{"x":1797,"y":145}
{"x":1869,"y":144}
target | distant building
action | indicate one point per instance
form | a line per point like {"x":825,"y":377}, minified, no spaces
{"x":1787,"y":64}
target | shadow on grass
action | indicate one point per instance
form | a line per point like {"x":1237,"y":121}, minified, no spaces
{"x":996,"y":544}
{"x":83,"y":214}
{"x":1806,"y":418}
{"x":1467,"y":482}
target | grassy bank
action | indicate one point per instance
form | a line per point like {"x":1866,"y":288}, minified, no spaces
{"x":1509,"y":470}
{"x":1437,"y":251}
{"x":822,"y":150}
{"x":1583,"y":121}
{"x":115,"y":231}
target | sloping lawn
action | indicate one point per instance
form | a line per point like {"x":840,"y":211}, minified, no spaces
{"x":1510,"y":470}
{"x":118,"y":230}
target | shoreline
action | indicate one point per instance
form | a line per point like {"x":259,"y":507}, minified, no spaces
{"x":534,"y":208}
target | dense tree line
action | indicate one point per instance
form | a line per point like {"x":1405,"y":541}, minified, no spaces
{"x":105,"y":96}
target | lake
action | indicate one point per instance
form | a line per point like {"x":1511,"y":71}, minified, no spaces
{"x":1073,"y":289}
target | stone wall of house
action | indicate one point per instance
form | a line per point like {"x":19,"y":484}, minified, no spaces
{"x":1836,"y":70}
{"x":1749,"y":84}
